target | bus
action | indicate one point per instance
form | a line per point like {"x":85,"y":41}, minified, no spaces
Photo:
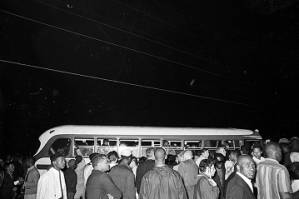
{"x":103,"y":139}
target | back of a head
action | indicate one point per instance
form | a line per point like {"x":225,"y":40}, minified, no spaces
{"x":188,"y":155}
{"x":204,"y":164}
{"x":98,"y":159}
{"x":72,"y":163}
{"x":219,"y":157}
{"x":160,"y":154}
{"x":150,"y":152}
{"x":92,"y":155}
{"x":234,"y":155}
{"x":273,"y":151}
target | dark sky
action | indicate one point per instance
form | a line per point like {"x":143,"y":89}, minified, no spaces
{"x":147,"y":62}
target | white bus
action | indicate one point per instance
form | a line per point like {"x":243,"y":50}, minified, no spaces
{"x":103,"y":139}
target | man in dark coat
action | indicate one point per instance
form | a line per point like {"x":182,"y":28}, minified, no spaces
{"x":70,"y":177}
{"x":162,"y":182}
{"x":240,"y":186}
{"x":123,"y":176}
{"x":99,"y":184}
{"x":147,"y":165}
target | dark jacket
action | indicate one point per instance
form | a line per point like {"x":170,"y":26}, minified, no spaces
{"x":124,"y":179}
{"x":162,"y":183}
{"x":141,"y":170}
{"x":237,"y":188}
{"x":70,"y":177}
{"x":31,"y":180}
{"x":6,"y":190}
{"x":188,"y":171}
{"x":99,"y":184}
{"x":204,"y":189}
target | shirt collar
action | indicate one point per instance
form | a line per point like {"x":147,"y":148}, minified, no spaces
{"x":248,"y":181}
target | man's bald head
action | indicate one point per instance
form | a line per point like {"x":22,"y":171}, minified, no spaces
{"x":160,"y":154}
{"x":273,"y":151}
{"x":246,"y":166}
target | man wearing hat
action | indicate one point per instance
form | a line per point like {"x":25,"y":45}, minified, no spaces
{"x":52,"y":183}
{"x":122,"y":175}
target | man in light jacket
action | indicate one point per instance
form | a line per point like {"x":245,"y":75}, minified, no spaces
{"x":51,"y":185}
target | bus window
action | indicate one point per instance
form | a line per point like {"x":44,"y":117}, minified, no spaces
{"x":62,"y":146}
{"x":146,"y":143}
{"x":211,"y":143}
{"x":131,"y":144}
{"x":192,"y":144}
{"x":128,"y":143}
{"x":228,"y":143}
{"x":86,"y":145}
{"x":175,"y":144}
{"x":105,"y":145}
{"x":106,"y":142}
{"x":157,"y":143}
{"x":237,"y":143}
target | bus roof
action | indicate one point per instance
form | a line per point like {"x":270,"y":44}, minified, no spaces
{"x":143,"y":131}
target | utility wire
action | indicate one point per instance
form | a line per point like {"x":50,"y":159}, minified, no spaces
{"x":124,"y":83}
{"x":121,"y":30}
{"x":113,"y":44}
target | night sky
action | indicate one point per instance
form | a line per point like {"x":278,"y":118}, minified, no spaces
{"x":147,"y":63}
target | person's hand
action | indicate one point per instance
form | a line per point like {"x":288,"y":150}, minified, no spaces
{"x":21,"y":180}
{"x":109,"y":196}
{"x":212,"y":182}
{"x":14,"y":189}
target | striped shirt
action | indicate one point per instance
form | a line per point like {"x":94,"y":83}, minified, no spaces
{"x":272,"y":178}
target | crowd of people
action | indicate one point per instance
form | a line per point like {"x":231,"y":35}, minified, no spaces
{"x":262,"y":171}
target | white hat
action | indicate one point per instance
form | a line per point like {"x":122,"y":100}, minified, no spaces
{"x":125,"y":152}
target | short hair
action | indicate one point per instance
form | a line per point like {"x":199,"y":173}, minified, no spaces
{"x":160,"y":153}
{"x":272,"y":148}
{"x":98,"y":158}
{"x":56,"y":156}
{"x":113,"y":155}
{"x":242,"y":158}
{"x":219,"y":157}
{"x":92,"y":155}
{"x":204,"y":164}
{"x":141,"y":160}
{"x":149,"y":150}
{"x":72,"y":162}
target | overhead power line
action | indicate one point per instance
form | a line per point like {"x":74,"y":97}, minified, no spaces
{"x":121,"y":30}
{"x":113,"y":44}
{"x":124,"y":83}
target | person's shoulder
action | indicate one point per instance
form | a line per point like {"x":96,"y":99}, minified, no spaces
{"x":234,"y":179}
{"x":45,"y":175}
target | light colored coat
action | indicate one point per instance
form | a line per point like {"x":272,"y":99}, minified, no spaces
{"x":49,"y":185}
